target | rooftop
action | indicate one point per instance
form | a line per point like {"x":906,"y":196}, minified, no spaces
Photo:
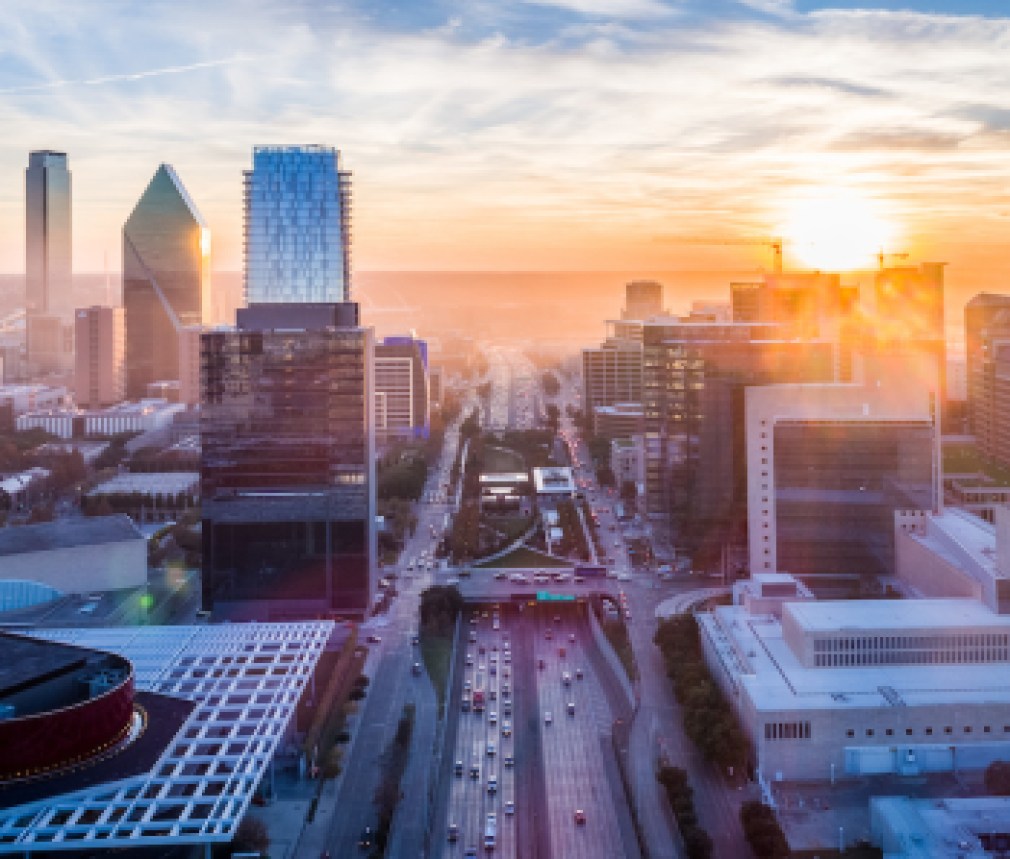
{"x":832,"y":616}
{"x":753,"y":650}
{"x":67,"y":533}
{"x":554,"y":479}
{"x":151,"y":483}
{"x":244,"y":681}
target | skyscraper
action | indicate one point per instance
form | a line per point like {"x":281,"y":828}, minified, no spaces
{"x":288,"y":474}
{"x":402,"y":407}
{"x":47,"y":231}
{"x":297,"y":226}
{"x":166,"y":279}
{"x":47,"y":256}
{"x":643,"y":298}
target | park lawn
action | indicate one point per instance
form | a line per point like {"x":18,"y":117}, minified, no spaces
{"x":502,"y":459}
{"x":523,"y":558}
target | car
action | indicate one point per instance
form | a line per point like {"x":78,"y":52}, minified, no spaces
{"x":561,"y":652}
{"x":540,"y":664}
{"x":415,"y":640}
{"x":416,"y":669}
{"x":482,"y":650}
{"x":578,"y":674}
{"x":510,"y":807}
{"x":566,"y":678}
{"x":580,"y":816}
{"x":548,"y":635}
{"x":506,"y":728}
{"x":466,"y":685}
{"x":481,"y":666}
{"x":493,"y":694}
{"x":509,"y":761}
{"x":373,"y":639}
{"x":548,"y":718}
{"x":453,"y":832}
{"x":571,"y":638}
{"x":492,"y":717}
{"x":469,"y":660}
{"x":500,"y":576}
{"x":470,"y":853}
{"x":492,"y":784}
{"x":507,"y":708}
{"x":367,"y":837}
{"x":490,"y":748}
{"x":571,"y":708}
{"x":475,"y":771}
{"x":458,"y":768}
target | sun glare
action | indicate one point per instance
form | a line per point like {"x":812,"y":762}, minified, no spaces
{"x":836,"y":230}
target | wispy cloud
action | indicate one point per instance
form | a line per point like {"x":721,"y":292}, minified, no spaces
{"x":562,"y":136}
{"x":609,"y":8}
{"x":126,"y":76}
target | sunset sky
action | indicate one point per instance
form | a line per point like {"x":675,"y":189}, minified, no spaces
{"x":535,"y":134}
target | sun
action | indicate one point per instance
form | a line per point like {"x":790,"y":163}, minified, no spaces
{"x":836,"y":229}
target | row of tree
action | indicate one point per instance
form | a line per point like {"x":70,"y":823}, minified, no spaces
{"x":708,"y":718}
{"x":573,"y":541}
{"x":679,"y":792}
{"x":762,"y":831}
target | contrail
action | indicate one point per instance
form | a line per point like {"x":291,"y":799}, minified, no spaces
{"x":130,"y":76}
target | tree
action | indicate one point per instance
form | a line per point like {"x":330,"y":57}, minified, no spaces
{"x":997,"y":778}
{"x":550,"y":384}
{"x":629,"y":492}
{"x":251,"y":836}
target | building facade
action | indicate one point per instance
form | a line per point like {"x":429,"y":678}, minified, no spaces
{"x":288,"y":469}
{"x":612,"y":374}
{"x":828,"y":465}
{"x":402,"y":402}
{"x":166,"y":279}
{"x":857,"y":688}
{"x":695,"y":375}
{"x":643,"y":299}
{"x":100,"y":356}
{"x":297,"y":226}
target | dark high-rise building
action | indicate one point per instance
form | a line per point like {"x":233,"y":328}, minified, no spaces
{"x":694,"y":379}
{"x":166,"y":279}
{"x":48,"y":267}
{"x":99,"y":365}
{"x":986,"y":323}
{"x":287,"y":481}
{"x":909,"y":308}
{"x":643,"y":299}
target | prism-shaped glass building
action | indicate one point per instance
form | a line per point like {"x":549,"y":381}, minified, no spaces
{"x":166,"y":279}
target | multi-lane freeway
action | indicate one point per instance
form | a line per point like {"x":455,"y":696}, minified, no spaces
{"x":534,"y":755}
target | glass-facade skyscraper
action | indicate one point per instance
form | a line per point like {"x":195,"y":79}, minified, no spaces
{"x":48,"y":268}
{"x":47,"y":231}
{"x":297,"y":226}
{"x":166,"y":279}
{"x":288,"y":467}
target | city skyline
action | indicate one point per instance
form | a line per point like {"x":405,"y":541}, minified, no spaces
{"x":584,"y":135}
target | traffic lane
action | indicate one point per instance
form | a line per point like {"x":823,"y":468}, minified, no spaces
{"x":576,"y":774}
{"x":376,"y":726}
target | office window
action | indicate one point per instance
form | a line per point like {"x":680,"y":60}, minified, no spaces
{"x":850,"y":733}
{"x":869,"y":732}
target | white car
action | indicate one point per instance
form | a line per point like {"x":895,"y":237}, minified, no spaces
{"x":548,"y":718}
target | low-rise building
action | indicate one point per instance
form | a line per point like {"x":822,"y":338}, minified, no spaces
{"x":619,"y":420}
{"x":129,"y":417}
{"x":30,"y":398}
{"x":149,"y":496}
{"x":505,"y":492}
{"x":828,"y":689}
{"x":553,"y":484}
{"x":74,"y":556}
{"x":970,"y":828}
{"x":627,"y":461}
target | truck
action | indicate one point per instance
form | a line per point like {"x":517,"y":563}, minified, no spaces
{"x":490,"y":831}
{"x":478,"y":700}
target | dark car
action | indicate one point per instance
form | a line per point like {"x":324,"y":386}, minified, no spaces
{"x":367,"y":837}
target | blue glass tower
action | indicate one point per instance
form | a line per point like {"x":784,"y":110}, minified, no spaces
{"x":297,"y":226}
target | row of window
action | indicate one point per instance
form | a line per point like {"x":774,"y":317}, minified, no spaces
{"x":912,"y":642}
{"x":928,"y":731}
{"x":787,"y":731}
{"x":913,"y":657}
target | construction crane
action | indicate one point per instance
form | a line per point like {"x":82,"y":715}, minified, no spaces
{"x":882,"y":257}
{"x":774,"y":243}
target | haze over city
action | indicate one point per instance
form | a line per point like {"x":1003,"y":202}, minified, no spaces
{"x":582,"y":135}
{"x":530,"y":429}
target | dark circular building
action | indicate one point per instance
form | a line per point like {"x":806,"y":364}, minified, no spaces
{"x":60,"y":706}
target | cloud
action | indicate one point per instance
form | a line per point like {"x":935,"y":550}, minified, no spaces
{"x":608,"y":8}
{"x":471,"y":147}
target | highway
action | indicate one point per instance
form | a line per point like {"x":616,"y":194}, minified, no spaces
{"x":557,"y":768}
